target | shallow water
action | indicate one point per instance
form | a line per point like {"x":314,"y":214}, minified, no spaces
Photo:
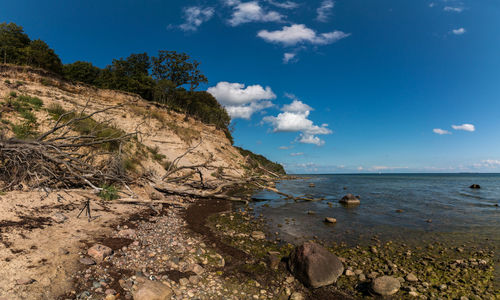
{"x":459,"y":214}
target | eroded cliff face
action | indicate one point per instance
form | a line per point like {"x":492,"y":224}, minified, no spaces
{"x":170,"y":134}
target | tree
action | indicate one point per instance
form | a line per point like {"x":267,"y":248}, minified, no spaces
{"x":82,"y":71}
{"x":12,"y":42}
{"x":38,"y":54}
{"x":177,"y":68}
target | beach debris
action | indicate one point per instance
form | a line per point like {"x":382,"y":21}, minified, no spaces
{"x":385,"y":285}
{"x":475,"y":186}
{"x":98,"y":252}
{"x":330,"y":220}
{"x":350,"y":199}
{"x":152,"y":290}
{"x":314,"y":265}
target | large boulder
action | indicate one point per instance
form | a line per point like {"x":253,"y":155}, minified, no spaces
{"x":349,"y":199}
{"x":314,"y":266}
{"x":152,"y":290}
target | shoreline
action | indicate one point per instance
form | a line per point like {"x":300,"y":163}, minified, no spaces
{"x":217,"y":249}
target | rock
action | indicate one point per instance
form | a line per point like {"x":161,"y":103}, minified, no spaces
{"x":311,"y":212}
{"x":413,"y":294}
{"x":312,"y":185}
{"x":59,"y":217}
{"x":349,"y":273}
{"x":25,"y":281}
{"x":258,"y":235}
{"x":443,"y":287}
{"x":475,"y":186}
{"x":183,"y":281}
{"x":87,"y":261}
{"x":349,"y":199}
{"x":198,"y":269}
{"x":399,"y":210}
{"x":98,"y":252}
{"x":110,"y":297}
{"x":152,"y":290}
{"x":128,"y":233}
{"x":314,"y":265}
{"x":385,"y":285}
{"x":330,"y":220}
{"x":296,"y":296}
{"x":411,"y":277}
{"x":274,"y":260}
{"x":361,"y":277}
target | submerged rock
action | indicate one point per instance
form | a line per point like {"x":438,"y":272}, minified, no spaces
{"x":475,"y":186}
{"x":330,"y":220}
{"x":314,"y":265}
{"x":350,"y":199}
{"x":385,"y":285}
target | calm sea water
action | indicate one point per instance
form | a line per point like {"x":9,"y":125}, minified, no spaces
{"x":458,"y":213}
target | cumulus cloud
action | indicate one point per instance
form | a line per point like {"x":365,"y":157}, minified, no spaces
{"x":194,"y":16}
{"x":295,"y":118}
{"x":297,"y":154}
{"x":289,"y":57}
{"x":458,"y":31}
{"x":488,"y":163}
{"x":241,"y":101}
{"x":325,"y":10}
{"x":298,"y":34}
{"x":465,"y":127}
{"x":453,"y":9}
{"x":247,"y":12}
{"x":284,"y":5}
{"x":440,"y":131}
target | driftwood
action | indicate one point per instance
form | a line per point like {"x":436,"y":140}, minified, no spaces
{"x":60,"y":158}
{"x":139,"y":201}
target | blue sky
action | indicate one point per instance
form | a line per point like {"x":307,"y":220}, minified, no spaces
{"x":320,"y":86}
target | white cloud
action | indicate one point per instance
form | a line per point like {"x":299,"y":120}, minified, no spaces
{"x":284,"y":5}
{"x":241,"y":101}
{"x":440,"y":131}
{"x":432,"y":4}
{"x":288,"y":57}
{"x":453,"y":9}
{"x":247,"y":12}
{"x":459,"y":31}
{"x":194,"y":16}
{"x":299,"y":33}
{"x":297,"y":154}
{"x":285,"y":147}
{"x":325,"y":10}
{"x":488,"y":163}
{"x":295,"y":118}
{"x":465,"y":127}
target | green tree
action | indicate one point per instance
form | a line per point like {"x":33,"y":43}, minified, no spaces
{"x":82,"y":71}
{"x":12,"y":42}
{"x":177,"y":68}
{"x":38,"y":54}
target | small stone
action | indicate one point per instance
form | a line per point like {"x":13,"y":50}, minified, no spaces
{"x":98,"y":252}
{"x":349,"y":273}
{"x":411,"y":277}
{"x":358,"y":271}
{"x":59,"y":217}
{"x":330,"y":220}
{"x":152,"y":290}
{"x":386,"y":285}
{"x":413,"y":294}
{"x":87,"y":261}
{"x":350,"y":199}
{"x":258,"y":235}
{"x":128,"y":233}
{"x":198,"y":269}
{"x":399,"y":210}
{"x":373,"y":275}
{"x":110,"y":292}
{"x":110,"y":297}
{"x":274,"y":260}
{"x":443,"y":287}
{"x":362,"y":277}
{"x":194,"y":279}
{"x":296,"y":296}
{"x":183,"y":281}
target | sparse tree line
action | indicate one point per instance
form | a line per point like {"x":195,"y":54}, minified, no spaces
{"x":169,"y":78}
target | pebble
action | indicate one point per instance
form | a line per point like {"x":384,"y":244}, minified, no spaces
{"x":411,"y":277}
{"x":330,"y":220}
{"x":385,"y":285}
{"x":349,"y":273}
{"x":258,"y":235}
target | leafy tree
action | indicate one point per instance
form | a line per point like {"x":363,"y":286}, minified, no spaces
{"x":82,"y":71}
{"x":177,"y":68}
{"x":38,"y":54}
{"x":12,"y":42}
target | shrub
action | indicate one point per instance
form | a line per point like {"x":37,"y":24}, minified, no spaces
{"x":56,"y":110}
{"x":34,"y":101}
{"x":108,"y":192}
{"x":24,"y":130}
{"x":13,"y":94}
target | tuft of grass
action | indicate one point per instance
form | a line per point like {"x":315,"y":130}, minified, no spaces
{"x":24,"y":130}
{"x":130,"y":164}
{"x":13,"y":94}
{"x":167,"y":165}
{"x":184,"y":133}
{"x":7,"y":81}
{"x":56,"y":110}
{"x":108,"y":192}
{"x":156,"y":155}
{"x":35,"y":102}
{"x":156,"y":114}
{"x":46,"y":82}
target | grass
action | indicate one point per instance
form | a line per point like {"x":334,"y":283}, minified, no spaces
{"x":184,"y":133}
{"x":34,"y":102}
{"x":25,"y":105}
{"x":108,"y":192}
{"x":13,"y":94}
{"x":24,"y":130}
{"x":156,"y":155}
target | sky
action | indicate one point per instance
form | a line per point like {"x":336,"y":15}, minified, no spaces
{"x":318,"y":86}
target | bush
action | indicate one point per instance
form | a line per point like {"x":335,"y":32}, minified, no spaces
{"x":56,"y":110}
{"x":108,"y":192}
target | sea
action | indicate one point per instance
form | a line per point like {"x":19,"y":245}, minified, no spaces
{"x":410,"y":208}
